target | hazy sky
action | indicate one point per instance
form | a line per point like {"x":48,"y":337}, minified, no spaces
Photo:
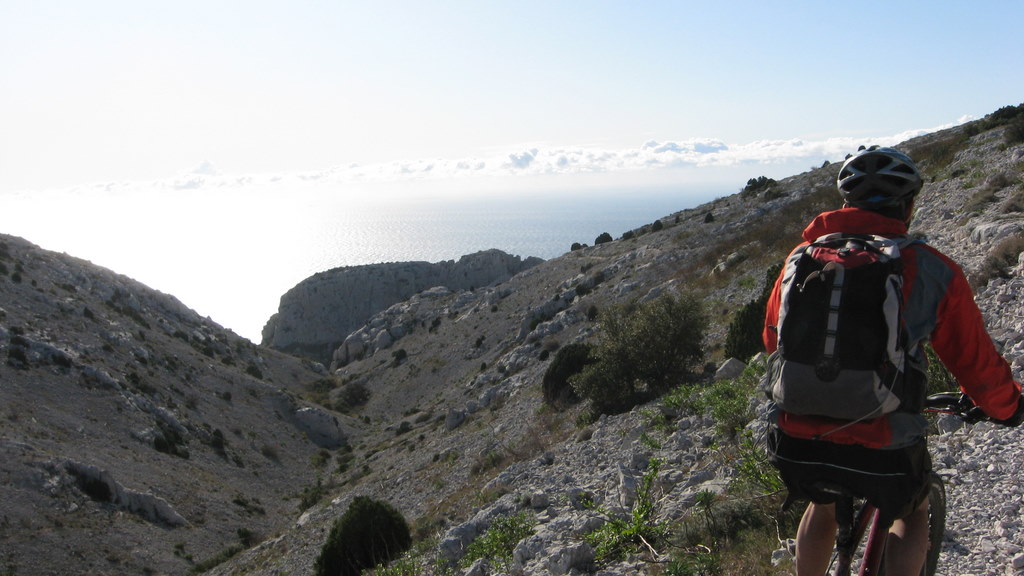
{"x":209,"y":148}
{"x":135,"y":90}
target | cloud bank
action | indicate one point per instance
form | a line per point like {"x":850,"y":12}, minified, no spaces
{"x":538,"y":160}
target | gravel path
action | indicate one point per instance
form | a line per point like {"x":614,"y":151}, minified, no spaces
{"x":982,"y":467}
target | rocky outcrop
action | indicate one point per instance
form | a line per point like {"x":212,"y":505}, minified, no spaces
{"x":100,"y":485}
{"x":317,"y":314}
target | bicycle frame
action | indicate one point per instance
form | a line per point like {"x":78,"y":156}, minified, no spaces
{"x":853,"y":521}
{"x":851,"y":530}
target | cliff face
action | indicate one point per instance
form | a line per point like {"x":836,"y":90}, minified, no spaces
{"x":316,"y":316}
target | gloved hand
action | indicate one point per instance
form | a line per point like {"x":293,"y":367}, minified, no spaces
{"x":1017,"y":418}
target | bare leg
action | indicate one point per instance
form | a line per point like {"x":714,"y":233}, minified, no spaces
{"x":907,"y":546}
{"x":815,"y":539}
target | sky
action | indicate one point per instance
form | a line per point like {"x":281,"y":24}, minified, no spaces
{"x":174,"y":142}
{"x":139,"y":91}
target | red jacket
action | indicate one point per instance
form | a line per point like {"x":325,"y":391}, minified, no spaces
{"x":939,"y":308}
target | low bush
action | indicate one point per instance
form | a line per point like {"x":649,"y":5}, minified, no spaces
{"x":170,"y":441}
{"x":645,"y":350}
{"x":311,"y":495}
{"x":370,"y":533}
{"x":638,"y":531}
{"x":351,"y":396}
{"x":569,"y":361}
{"x":319,"y":391}
{"x":1000,"y":261}
{"x":743,"y":339}
{"x":499,"y":540}
{"x":1014,"y":132}
{"x":757,"y":185}
{"x":936,"y":155}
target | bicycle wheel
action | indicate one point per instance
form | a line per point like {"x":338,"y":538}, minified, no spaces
{"x":936,"y":523}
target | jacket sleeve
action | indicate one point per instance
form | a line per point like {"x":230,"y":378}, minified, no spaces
{"x":769,"y":333}
{"x":963,"y":344}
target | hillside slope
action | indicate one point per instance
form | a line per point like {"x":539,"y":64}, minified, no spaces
{"x":135,"y":436}
{"x":466,"y":436}
{"x":106,"y":385}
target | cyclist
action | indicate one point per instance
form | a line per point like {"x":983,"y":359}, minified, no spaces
{"x":879,"y":187}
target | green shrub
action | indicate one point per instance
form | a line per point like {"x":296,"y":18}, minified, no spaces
{"x":351,"y":396}
{"x":640,"y":530}
{"x":170,"y":441}
{"x":744,"y":337}
{"x":253,"y":370}
{"x":499,"y":540}
{"x":603,"y":238}
{"x":644,"y":351}
{"x":319,"y":391}
{"x":1004,"y":115}
{"x":728,"y":401}
{"x":700,"y":562}
{"x":753,"y":468}
{"x":311,"y":495}
{"x":568,"y":362}
{"x":1014,"y":132}
{"x":370,"y":532}
{"x":757,"y":185}
{"x":940,"y":379}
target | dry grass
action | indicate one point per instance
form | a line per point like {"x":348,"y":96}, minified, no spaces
{"x":935,"y":156}
{"x":1000,"y":260}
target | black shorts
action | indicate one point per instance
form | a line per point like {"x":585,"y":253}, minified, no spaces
{"x":894,"y":481}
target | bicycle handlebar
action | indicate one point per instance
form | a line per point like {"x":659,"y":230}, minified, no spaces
{"x":956,"y":403}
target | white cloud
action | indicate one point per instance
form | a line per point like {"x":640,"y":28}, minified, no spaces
{"x":523,"y":160}
{"x":206,"y":167}
{"x":649,"y":158}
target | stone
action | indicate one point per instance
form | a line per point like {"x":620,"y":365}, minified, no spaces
{"x":454,"y":419}
{"x":320,"y":427}
{"x":575,"y":556}
{"x":527,"y":549}
{"x":730,"y":369}
{"x":539,"y":500}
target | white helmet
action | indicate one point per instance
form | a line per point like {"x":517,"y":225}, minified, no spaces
{"x":878,"y":178}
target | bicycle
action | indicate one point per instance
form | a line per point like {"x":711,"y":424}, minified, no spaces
{"x":854,"y":519}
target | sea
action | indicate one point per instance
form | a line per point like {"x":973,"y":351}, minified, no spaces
{"x":230,"y":253}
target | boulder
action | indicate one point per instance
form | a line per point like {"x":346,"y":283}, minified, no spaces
{"x":730,"y":369}
{"x":320,"y":427}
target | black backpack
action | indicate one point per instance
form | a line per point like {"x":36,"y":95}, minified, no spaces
{"x":841,"y":341}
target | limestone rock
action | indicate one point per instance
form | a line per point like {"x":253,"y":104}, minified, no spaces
{"x":316,"y":315}
{"x":321,"y":428}
{"x":100,"y":485}
{"x":730,"y":369}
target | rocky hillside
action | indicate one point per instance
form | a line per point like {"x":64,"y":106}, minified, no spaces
{"x":317,"y":314}
{"x":135,"y":436}
{"x":140,"y":438}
